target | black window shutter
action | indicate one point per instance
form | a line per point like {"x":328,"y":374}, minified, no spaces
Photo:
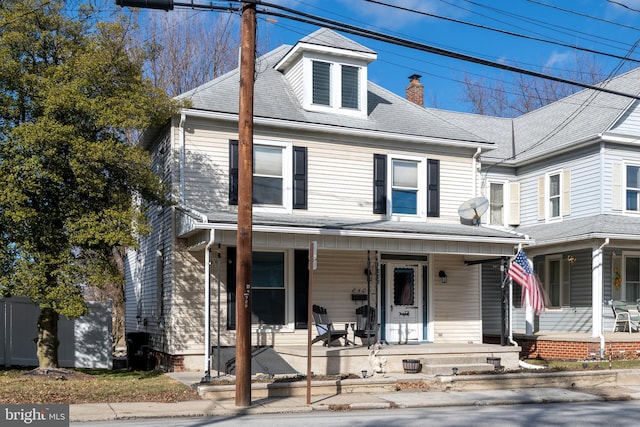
{"x":433,"y":188}
{"x":233,"y":172}
{"x":299,"y":177}
{"x":379,"y":184}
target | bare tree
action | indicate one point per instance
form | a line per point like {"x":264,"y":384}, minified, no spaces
{"x":187,"y":49}
{"x":516,"y":94}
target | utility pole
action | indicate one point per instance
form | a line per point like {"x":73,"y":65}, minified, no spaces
{"x":245,"y":205}
{"x":245,"y":189}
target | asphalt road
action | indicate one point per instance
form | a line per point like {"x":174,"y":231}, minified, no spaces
{"x":553,"y":414}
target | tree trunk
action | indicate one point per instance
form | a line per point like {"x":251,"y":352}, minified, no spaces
{"x":47,"y":343}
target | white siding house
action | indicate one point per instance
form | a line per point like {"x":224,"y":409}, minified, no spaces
{"x":373,"y":178}
{"x":377,"y":182}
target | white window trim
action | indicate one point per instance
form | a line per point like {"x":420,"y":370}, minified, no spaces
{"x":287,"y":177}
{"x":547,"y":195}
{"x":624,"y":189}
{"x":289,"y":315}
{"x":421,"y":209}
{"x":505,"y":201}
{"x":335,"y":85}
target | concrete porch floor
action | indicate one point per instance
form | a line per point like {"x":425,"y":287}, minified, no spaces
{"x":434,"y":358}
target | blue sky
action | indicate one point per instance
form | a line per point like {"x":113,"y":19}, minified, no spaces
{"x":615,"y":31}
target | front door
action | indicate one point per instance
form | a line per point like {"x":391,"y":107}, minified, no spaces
{"x":404,"y":296}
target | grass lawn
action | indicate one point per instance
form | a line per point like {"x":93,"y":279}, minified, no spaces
{"x":90,"y":386}
{"x":102,"y":386}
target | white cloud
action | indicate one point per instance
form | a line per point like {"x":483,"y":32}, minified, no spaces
{"x":557,"y":58}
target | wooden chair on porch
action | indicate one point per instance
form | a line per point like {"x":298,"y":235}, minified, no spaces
{"x":366,"y":326}
{"x":625,"y":319}
{"x":326,"y":333}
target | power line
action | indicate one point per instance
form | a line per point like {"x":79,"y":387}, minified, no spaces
{"x":585,"y":15}
{"x":497,"y":30}
{"x":556,"y":28}
{"x":623,"y":5}
{"x":339,"y":26}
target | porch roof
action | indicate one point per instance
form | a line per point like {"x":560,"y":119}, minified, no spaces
{"x":619,"y":227}
{"x":340,"y":233}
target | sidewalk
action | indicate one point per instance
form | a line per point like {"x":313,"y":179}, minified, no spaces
{"x":346,"y":401}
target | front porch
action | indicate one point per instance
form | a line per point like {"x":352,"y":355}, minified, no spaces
{"x":434,"y":358}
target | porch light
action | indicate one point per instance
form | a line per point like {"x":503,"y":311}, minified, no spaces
{"x":443,"y":276}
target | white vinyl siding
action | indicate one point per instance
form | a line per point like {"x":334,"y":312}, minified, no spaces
{"x":295,"y":77}
{"x":462,"y":291}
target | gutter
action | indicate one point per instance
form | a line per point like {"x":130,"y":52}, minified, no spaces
{"x":341,"y":130}
{"x":361,"y":233}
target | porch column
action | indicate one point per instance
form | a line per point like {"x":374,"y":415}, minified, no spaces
{"x":529,"y":316}
{"x":597,"y":290}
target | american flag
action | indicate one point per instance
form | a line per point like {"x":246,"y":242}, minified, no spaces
{"x":522,"y":273}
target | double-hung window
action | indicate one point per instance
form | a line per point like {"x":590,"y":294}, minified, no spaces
{"x":268,"y":302}
{"x":407,"y":187}
{"x":557,"y":281}
{"x":404,"y":187}
{"x":279,"y":175}
{"x":496,"y":203}
{"x":631,"y":277}
{"x":633,"y":188}
{"x":553,"y":195}
{"x":268,"y":175}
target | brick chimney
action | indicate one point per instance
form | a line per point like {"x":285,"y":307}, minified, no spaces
{"x":415,"y":90}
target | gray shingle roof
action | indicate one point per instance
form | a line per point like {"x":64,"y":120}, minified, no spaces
{"x":329,"y":38}
{"x":349,"y":224}
{"x":599,"y":226}
{"x":564,"y":123}
{"x":274,"y":99}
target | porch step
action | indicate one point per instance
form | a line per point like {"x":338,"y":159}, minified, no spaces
{"x":444,"y":364}
{"x":447,"y":369}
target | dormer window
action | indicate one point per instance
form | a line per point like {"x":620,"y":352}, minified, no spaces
{"x":350,"y":84}
{"x":335,"y":86}
{"x":327,"y":73}
{"x":321,"y":83}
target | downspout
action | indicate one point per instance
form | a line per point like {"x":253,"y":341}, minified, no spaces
{"x":183,"y":118}
{"x":207,"y":308}
{"x":598,"y":300}
{"x":475,"y":170}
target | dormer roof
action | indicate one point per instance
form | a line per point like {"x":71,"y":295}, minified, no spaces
{"x":328,"y":42}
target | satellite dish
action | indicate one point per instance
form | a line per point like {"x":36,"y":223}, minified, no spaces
{"x":471,"y":210}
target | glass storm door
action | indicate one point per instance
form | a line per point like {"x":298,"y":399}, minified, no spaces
{"x":403,"y":304}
